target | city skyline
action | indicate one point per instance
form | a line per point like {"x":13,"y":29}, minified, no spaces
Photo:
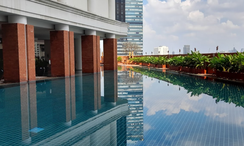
{"x":203,"y":24}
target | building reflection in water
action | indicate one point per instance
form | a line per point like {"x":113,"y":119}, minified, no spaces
{"x":130,"y":87}
{"x":63,"y":112}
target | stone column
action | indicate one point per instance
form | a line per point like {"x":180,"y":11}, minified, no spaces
{"x":111,"y":6}
{"x":110,"y":52}
{"x":18,"y":50}
{"x":62,"y":51}
{"x":90,"y":52}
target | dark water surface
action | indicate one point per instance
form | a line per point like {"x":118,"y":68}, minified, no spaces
{"x":135,"y":106}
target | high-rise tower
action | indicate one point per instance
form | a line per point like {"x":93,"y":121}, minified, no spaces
{"x":130,"y":11}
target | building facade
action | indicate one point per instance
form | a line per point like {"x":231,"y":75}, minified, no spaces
{"x":186,"y":49}
{"x":131,"y":11}
{"x":71,"y":30}
{"x":162,"y":50}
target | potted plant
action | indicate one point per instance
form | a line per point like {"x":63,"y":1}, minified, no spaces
{"x":161,"y":62}
{"x":41,"y":67}
{"x":119,"y":59}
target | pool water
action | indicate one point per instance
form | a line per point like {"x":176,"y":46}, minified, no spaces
{"x":132,"y":106}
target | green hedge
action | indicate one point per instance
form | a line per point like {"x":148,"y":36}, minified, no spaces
{"x":229,"y":63}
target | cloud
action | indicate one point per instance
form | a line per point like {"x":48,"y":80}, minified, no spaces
{"x":196,"y":16}
{"x":230,"y":25}
{"x":174,"y":23}
{"x":169,"y":100}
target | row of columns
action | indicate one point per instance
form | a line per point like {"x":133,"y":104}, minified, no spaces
{"x":19,"y":51}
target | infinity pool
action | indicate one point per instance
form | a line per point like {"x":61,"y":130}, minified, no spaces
{"x":134,"y":106}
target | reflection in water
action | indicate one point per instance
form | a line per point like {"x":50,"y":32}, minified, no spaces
{"x":67,"y":111}
{"x":202,"y":112}
{"x":130,"y":87}
{"x":197,"y":86}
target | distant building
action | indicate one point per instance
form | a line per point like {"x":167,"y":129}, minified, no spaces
{"x":163,"y":50}
{"x":39,"y":49}
{"x":173,"y":52}
{"x":186,"y":49}
{"x":233,"y":50}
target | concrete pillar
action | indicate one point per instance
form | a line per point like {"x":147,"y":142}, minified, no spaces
{"x":91,"y":6}
{"x":18,"y":50}
{"x":111,"y":6}
{"x":110,"y":52}
{"x":78,"y":55}
{"x":110,"y":86}
{"x":90,"y":52}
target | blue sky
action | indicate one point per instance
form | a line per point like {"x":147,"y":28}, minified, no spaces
{"x":202,"y":24}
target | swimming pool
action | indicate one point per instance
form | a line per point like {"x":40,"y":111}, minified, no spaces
{"x":134,"y":106}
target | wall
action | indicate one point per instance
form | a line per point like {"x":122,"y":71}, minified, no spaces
{"x":102,"y":8}
{"x":80,"y":4}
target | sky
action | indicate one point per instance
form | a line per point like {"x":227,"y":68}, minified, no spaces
{"x":202,"y":24}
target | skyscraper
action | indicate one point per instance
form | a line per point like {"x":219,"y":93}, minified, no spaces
{"x":131,"y":11}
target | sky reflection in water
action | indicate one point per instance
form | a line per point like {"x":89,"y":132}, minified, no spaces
{"x":172,"y":116}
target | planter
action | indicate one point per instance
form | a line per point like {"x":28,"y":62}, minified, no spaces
{"x":145,"y":64}
{"x":236,"y":76}
{"x":159,"y":65}
{"x":222,"y":74}
{"x":200,"y":71}
{"x":185,"y":69}
{"x":240,"y":76}
{"x":140,"y":63}
{"x":211,"y":70}
{"x":176,"y":68}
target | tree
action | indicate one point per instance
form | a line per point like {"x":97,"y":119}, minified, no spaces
{"x":130,"y":47}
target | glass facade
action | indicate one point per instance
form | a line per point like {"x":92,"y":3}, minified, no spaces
{"x":132,"y":14}
{"x":130,"y":87}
